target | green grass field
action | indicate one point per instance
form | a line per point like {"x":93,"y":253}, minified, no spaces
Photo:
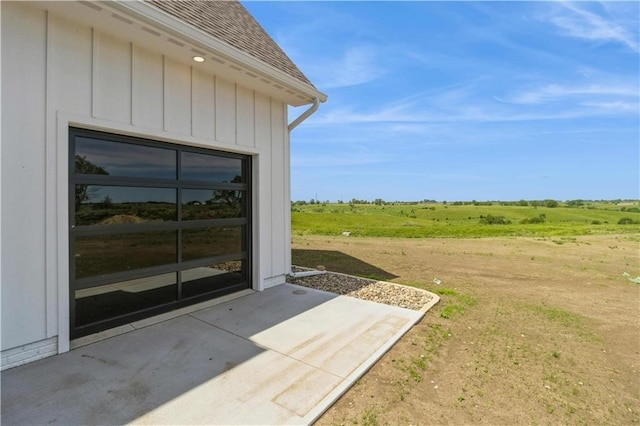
{"x":426,"y":220}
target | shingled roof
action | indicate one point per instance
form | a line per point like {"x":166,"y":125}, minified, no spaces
{"x":230,"y":22}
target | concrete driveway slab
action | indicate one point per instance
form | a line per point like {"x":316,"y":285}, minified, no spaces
{"x":281,"y":356}
{"x":332,"y":333}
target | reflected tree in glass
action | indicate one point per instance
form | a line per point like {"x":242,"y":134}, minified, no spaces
{"x":85,"y":166}
{"x":229,"y":197}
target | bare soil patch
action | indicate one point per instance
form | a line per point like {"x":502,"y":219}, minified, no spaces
{"x":119,"y":219}
{"x":529,"y":330}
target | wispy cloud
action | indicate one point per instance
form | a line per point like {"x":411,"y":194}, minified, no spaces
{"x":559,"y":92}
{"x":614,"y":106}
{"x":578,"y":22}
{"x":471,"y":104}
{"x":341,"y":64}
{"x":356,"y":65}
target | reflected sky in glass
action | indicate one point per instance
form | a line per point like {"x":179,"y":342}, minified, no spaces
{"x":210,"y":168}
{"x":123,"y":159}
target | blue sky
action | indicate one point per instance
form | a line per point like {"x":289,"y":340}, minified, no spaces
{"x":464,"y":100}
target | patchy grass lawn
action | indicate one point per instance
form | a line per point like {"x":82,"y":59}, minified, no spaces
{"x":529,"y":331}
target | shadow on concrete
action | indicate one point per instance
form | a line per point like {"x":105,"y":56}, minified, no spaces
{"x":337,"y":261}
{"x":123,"y":378}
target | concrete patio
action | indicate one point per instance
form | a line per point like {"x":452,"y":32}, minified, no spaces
{"x":281,"y":356}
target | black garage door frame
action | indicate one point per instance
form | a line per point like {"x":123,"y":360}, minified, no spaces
{"x":154,"y":226}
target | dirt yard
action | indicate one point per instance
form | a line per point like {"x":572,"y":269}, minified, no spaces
{"x":529,"y":331}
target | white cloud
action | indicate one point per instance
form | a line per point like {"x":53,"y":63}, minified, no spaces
{"x":316,"y":44}
{"x":581,"y":23}
{"x":614,"y":107}
{"x":357,"y":65}
{"x":435,"y":104}
{"x":527,"y":97}
{"x":479,"y":113}
{"x":559,"y":92}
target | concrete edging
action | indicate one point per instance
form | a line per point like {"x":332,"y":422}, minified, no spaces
{"x":313,"y":415}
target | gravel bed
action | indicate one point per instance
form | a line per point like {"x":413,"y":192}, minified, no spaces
{"x":365,"y":289}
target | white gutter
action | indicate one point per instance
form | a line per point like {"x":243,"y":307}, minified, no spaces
{"x":313,"y":108}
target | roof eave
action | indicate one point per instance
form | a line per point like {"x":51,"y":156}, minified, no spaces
{"x":156,"y":17}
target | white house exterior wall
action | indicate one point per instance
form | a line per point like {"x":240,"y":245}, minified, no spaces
{"x":57,"y":73}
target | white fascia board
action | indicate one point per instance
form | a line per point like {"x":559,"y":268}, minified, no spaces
{"x":156,"y":17}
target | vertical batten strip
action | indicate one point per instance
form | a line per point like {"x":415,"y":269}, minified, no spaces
{"x":164,"y":93}
{"x":235,"y":101}
{"x":253,"y":96}
{"x":215,"y":108}
{"x":94,"y":70}
{"x":51,"y":252}
{"x":131,"y":83}
{"x":134,"y":120}
{"x":271,"y":170}
{"x":282,"y":215}
{"x":287,"y":189}
{"x":191,"y":102}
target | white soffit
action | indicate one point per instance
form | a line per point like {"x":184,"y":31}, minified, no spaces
{"x":153,"y":29}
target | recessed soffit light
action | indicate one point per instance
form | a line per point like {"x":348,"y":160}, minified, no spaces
{"x":198,"y":58}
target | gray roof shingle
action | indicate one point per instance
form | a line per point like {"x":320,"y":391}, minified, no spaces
{"x":230,"y":22}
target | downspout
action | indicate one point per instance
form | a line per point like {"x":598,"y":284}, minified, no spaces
{"x":313,"y":108}
{"x":306,"y":273}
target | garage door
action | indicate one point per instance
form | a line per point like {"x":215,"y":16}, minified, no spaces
{"x":153,"y":227}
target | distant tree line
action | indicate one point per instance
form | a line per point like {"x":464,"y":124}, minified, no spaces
{"x":551,"y":203}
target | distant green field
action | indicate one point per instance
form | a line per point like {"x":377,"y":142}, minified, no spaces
{"x":464,"y":221}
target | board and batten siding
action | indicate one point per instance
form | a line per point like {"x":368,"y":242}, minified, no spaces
{"x":53,"y":67}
